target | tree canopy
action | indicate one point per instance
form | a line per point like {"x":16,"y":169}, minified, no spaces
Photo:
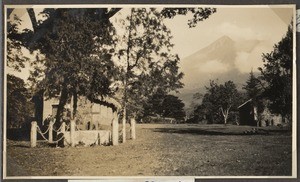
{"x":77,"y":48}
{"x":19,"y":107}
{"x":253,"y":86}
{"x":277,"y":75}
{"x":15,"y":58}
{"x":218,"y":102}
{"x":78,"y":45}
{"x":165,"y":106}
{"x":145,"y":62}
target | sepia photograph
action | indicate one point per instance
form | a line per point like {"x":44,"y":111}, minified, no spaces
{"x":111,"y":91}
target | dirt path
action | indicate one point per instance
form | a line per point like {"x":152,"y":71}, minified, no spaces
{"x":162,"y":150}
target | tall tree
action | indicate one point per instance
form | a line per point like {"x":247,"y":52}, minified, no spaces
{"x":277,"y":74}
{"x":50,"y":37}
{"x":218,"y":101}
{"x":77,"y":50}
{"x":227,"y":98}
{"x":254,"y":89}
{"x":146,"y":63}
{"x":165,"y":106}
{"x":253,"y":86}
{"x":173,"y":107}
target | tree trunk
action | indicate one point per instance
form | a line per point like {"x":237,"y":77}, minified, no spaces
{"x":62,"y":102}
{"x":126,"y":80}
{"x":124,"y":125}
{"x":75,"y":100}
{"x":225,"y":115}
{"x":32,"y":17}
{"x":225,"y":120}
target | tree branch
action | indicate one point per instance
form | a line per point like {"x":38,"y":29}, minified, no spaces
{"x":112,"y":12}
{"x":32,"y":17}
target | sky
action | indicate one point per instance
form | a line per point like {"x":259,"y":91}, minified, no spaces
{"x":265,"y":24}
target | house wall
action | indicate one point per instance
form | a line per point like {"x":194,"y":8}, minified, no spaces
{"x":269,"y":119}
{"x":47,"y":107}
{"x":246,"y":115}
{"x":89,"y":115}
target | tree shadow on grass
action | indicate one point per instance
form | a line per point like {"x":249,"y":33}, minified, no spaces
{"x":221,"y":131}
{"x":18,"y":134}
{"x":21,"y":146}
{"x":196,"y":131}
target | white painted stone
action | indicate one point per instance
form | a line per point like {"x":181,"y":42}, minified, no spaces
{"x":33,"y":134}
{"x":89,"y":137}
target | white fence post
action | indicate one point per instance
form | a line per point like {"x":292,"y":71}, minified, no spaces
{"x":63,"y":127}
{"x":72,"y":133}
{"x":132,"y":128}
{"x":50,"y":132}
{"x":33,"y":134}
{"x":124,"y":127}
{"x":115,"y":130}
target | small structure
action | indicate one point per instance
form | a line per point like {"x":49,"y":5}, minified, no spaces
{"x":90,"y":116}
{"x":95,"y":123}
{"x":269,"y":119}
{"x":249,"y":115}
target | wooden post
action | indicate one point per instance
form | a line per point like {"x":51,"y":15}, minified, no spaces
{"x":132,"y":128}
{"x":115,"y":130}
{"x":50,"y":132}
{"x":72,"y":133}
{"x":33,"y":134}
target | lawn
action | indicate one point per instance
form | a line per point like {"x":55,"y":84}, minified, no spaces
{"x":164,"y":150}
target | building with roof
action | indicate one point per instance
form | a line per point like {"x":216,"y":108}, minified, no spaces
{"x":249,"y":115}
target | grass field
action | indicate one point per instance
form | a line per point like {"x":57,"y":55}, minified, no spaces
{"x":164,"y":150}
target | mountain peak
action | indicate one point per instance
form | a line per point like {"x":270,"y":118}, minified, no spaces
{"x":217,"y":60}
{"x":224,"y":39}
{"x":222,"y":45}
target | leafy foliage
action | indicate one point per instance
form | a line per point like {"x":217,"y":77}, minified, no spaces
{"x":277,"y":75}
{"x":253,"y":87}
{"x":199,"y":14}
{"x":218,"y":102}
{"x":254,"y":90}
{"x":145,"y":62}
{"x":77,"y":50}
{"x":15,"y":58}
{"x":165,"y":106}
{"x":19,"y":107}
{"x":77,"y":54}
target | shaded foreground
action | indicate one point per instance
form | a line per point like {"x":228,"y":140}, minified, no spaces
{"x":164,"y":150}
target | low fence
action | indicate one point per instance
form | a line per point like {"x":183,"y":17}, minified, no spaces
{"x":71,"y":135}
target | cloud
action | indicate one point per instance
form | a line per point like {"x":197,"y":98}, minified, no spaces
{"x":236,"y":32}
{"x":213,"y":66}
{"x":242,"y":62}
{"x":246,"y":61}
